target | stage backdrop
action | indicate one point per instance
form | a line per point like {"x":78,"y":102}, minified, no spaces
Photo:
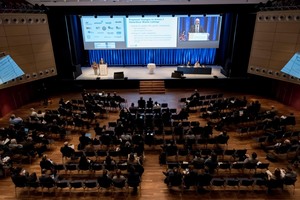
{"x":157,"y":56}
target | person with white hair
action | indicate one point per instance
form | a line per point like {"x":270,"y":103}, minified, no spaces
{"x":15,"y":120}
{"x":14,"y":144}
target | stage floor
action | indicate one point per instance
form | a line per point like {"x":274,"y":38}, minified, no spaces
{"x":142,"y":73}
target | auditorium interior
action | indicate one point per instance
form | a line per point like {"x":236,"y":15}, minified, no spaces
{"x":179,"y":111}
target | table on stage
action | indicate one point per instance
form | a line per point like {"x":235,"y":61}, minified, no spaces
{"x":151,"y":67}
{"x":103,"y":70}
{"x":194,"y":70}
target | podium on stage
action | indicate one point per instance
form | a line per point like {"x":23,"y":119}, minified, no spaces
{"x":198,"y":36}
{"x":103,"y":70}
{"x":151,"y":67}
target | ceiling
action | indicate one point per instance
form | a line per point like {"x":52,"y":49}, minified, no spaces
{"x":139,"y":2}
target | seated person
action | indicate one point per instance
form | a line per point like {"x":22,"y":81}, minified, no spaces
{"x":20,"y":175}
{"x":222,"y":138}
{"x":197,"y":64}
{"x":190,"y":177}
{"x":47,"y":164}
{"x":15,"y":120}
{"x":118,"y":179}
{"x":188,"y":64}
{"x":275,"y":179}
{"x":133,"y":178}
{"x":133,"y":159}
{"x":290,"y":174}
{"x":211,"y":163}
{"x":141,"y":103}
{"x":251,"y":160}
{"x":84,"y":163}
{"x":67,"y":151}
{"x":173,"y":177}
{"x":46,"y":179}
{"x":104,"y":180}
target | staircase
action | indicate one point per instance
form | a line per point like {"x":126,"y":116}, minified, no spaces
{"x":152,"y":87}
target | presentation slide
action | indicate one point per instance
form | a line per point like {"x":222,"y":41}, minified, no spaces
{"x":155,"y":32}
{"x":293,"y":66}
{"x":9,"y":69}
{"x":142,"y":32}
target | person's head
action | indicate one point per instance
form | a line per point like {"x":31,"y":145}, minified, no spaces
{"x":44,"y":157}
{"x":118,"y":172}
{"x":13,"y":141}
{"x":214,"y":157}
{"x":108,"y":159}
{"x":277,"y":173}
{"x":131,"y":156}
{"x":66,"y":143}
{"x":105,"y":172}
{"x":197,"y":21}
{"x":254,"y":155}
{"x":13,"y":116}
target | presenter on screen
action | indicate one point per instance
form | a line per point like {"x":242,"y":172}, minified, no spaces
{"x":196,"y":27}
{"x":95,"y":67}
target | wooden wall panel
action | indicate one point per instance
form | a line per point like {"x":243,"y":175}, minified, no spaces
{"x":44,"y":47}
{"x":276,"y":39}
{"x":259,"y":53}
{"x":42,"y":56}
{"x":26,"y":37}
{"x":16,"y":30}
{"x":265,"y":27}
{"x":20,"y":50}
{"x":38,"y":29}
{"x":2,"y":32}
{"x":44,"y":64}
{"x":288,"y":27}
{"x":262,"y":62}
{"x":263,"y":45}
{"x":286,"y":37}
{"x":285,"y":47}
{"x":18,"y":40}
{"x":20,"y":60}
{"x":37,"y":39}
{"x":3,"y":42}
{"x":264,"y":36}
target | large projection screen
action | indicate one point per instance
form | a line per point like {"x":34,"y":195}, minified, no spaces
{"x":150,"y":32}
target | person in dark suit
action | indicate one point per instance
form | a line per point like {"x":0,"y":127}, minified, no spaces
{"x":46,"y":179}
{"x":133,"y":178}
{"x":66,"y":150}
{"x":104,"y":180}
{"x":196,"y":27}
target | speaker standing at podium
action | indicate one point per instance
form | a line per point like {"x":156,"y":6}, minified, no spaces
{"x":196,"y":27}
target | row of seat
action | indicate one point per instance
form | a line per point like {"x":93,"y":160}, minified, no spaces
{"x":225,"y":166}
{"x":71,"y":185}
{"x":235,"y":184}
{"x":71,"y":167}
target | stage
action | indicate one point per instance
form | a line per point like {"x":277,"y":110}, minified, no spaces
{"x":142,"y":73}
